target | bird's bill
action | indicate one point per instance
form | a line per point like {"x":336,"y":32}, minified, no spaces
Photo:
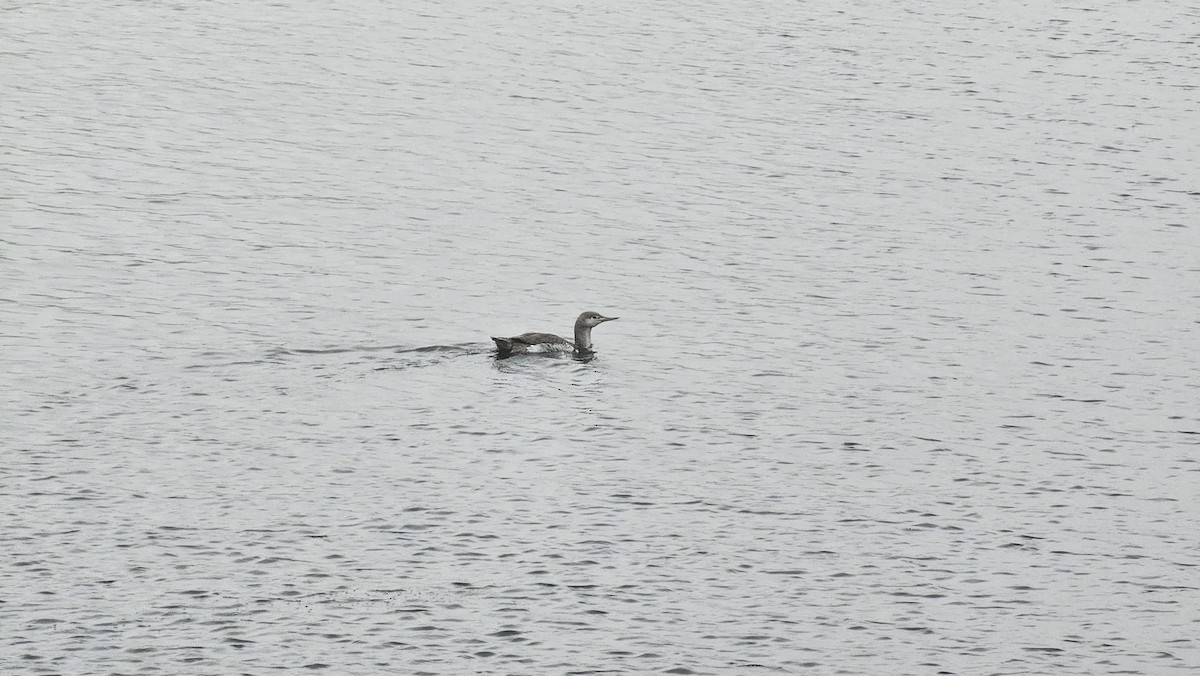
{"x":608,"y":319}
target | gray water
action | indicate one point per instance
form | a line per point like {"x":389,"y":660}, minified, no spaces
{"x":905,"y":380}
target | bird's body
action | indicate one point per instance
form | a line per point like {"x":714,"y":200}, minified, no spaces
{"x":533,"y":343}
{"x":548,"y":343}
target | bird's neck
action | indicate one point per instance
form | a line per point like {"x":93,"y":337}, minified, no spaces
{"x":583,"y":338}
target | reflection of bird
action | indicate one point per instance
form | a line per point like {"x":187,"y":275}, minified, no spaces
{"x":531,"y":343}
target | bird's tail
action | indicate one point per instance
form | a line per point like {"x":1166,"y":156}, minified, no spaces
{"x":503,"y":345}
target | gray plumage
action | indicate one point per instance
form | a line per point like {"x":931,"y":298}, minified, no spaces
{"x":534,"y":342}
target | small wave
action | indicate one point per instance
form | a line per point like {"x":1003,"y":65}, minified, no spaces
{"x":460,"y":348}
{"x":279,"y":354}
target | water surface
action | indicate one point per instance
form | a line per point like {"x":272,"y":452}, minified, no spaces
{"x":905,"y":380}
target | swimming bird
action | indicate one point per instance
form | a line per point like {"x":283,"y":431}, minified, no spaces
{"x":529,"y":343}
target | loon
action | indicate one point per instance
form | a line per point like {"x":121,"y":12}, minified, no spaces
{"x":548,"y":342}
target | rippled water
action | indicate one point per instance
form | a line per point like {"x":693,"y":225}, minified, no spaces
{"x":905,"y":381}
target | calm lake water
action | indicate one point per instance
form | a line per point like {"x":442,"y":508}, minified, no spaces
{"x":906,"y":380}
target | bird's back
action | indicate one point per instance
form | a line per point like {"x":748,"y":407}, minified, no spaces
{"x":534,"y":338}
